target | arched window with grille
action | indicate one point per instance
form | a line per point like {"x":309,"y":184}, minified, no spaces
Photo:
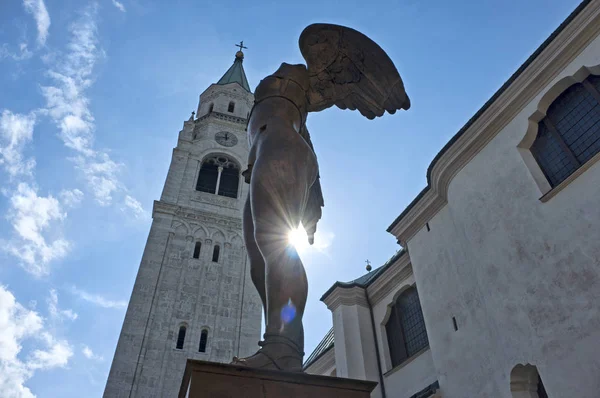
{"x":231,"y":107}
{"x":569,"y":134}
{"x":219,"y":175}
{"x":180,"y":337}
{"x":405,"y":327}
{"x":203,"y":340}
{"x":197,"y":249}
{"x":216,"y":252}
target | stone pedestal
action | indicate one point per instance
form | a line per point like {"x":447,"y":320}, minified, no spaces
{"x":215,"y":380}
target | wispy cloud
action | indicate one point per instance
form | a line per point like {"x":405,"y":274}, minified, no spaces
{"x":71,"y":198}
{"x":16,"y":131}
{"x":134,"y":206}
{"x":89,"y":354}
{"x":119,"y":5}
{"x":68,"y":106}
{"x":55,"y":312}
{"x":18,"y":325}
{"x":23,"y":53}
{"x":32,"y":216}
{"x":37,"y":8}
{"x":98,"y":299}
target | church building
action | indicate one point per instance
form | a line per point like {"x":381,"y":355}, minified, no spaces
{"x":193,"y":296}
{"x":496,"y":292}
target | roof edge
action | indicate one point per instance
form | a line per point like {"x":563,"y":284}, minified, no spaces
{"x":378,"y":272}
{"x":485,"y":106}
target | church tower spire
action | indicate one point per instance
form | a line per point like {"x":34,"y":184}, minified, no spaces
{"x":193,"y":296}
{"x":236,"y":74}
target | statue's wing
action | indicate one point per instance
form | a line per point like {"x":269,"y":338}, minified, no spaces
{"x":349,"y":70}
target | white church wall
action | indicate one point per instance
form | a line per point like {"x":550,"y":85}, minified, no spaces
{"x":520,"y":275}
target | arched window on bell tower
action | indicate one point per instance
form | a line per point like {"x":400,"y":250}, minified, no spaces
{"x":219,"y":175}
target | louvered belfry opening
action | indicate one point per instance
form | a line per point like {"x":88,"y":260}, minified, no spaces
{"x":219,"y":175}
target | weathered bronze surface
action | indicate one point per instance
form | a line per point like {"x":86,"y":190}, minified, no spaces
{"x":344,"y":68}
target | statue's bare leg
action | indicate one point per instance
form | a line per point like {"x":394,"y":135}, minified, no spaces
{"x":257,"y":263}
{"x":282,"y":174}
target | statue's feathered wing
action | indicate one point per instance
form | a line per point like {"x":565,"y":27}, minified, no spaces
{"x":351,"y":71}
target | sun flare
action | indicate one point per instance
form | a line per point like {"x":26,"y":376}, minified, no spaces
{"x":298,"y":238}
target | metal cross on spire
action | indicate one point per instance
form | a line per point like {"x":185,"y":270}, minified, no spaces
{"x":368,"y":265}
{"x":241,"y":45}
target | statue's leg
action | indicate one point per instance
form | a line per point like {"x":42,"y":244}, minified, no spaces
{"x":282,"y":174}
{"x":257,"y":263}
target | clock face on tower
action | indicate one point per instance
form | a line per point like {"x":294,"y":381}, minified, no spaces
{"x":226,"y":139}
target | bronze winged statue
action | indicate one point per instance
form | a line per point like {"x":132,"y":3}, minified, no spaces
{"x":344,"y":68}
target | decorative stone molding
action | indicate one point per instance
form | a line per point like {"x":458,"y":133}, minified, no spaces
{"x":194,"y":214}
{"x":212,"y":93}
{"x":346,"y":296}
{"x":223,"y":116}
{"x":212,"y":199}
{"x":500,"y":110}
{"x":390,"y":279}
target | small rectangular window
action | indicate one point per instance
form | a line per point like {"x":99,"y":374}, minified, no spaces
{"x":216,"y":252}
{"x":180,"y":338}
{"x":197,"y":250}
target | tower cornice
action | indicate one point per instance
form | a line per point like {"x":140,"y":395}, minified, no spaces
{"x":188,"y":213}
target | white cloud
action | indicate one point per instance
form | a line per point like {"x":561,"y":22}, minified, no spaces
{"x":23,"y":53}
{"x":89,"y":354}
{"x":133,"y":205}
{"x":323,"y":241}
{"x":98,"y":300}
{"x":119,"y":5}
{"x":16,"y":130}
{"x":18,"y":325}
{"x":31,"y":216}
{"x":56,"y":355}
{"x":57,"y":313}
{"x":71,"y":198}
{"x":101,"y":173}
{"x":68,"y":106}
{"x":42,"y":19}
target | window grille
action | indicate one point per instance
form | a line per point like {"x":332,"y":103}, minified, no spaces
{"x":180,"y":338}
{"x":197,"y":250}
{"x":569,"y":135}
{"x":405,"y":328}
{"x":203,"y":340}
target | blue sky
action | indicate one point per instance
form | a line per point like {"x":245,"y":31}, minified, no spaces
{"x":93,"y":94}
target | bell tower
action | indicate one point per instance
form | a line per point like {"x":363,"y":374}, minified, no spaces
{"x":193,"y":296}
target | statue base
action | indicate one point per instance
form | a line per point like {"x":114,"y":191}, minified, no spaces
{"x":216,"y":380}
